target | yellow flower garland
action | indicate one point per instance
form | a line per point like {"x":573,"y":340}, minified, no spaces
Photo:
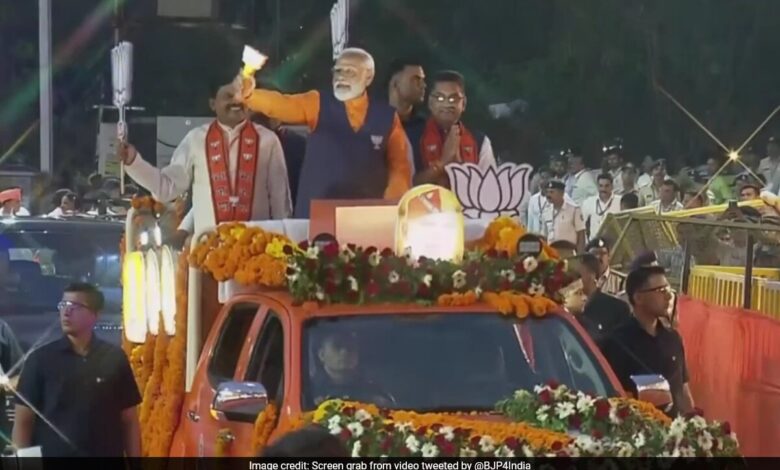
{"x":503,"y":233}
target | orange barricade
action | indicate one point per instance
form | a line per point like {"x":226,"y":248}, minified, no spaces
{"x":734,"y":367}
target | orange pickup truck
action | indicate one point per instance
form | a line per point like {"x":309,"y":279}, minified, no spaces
{"x":262,"y":349}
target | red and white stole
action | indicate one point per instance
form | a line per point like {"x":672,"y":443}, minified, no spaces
{"x":232,"y":200}
{"x":432,"y":144}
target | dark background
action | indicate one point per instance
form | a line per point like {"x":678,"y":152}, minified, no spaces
{"x":585,"y":68}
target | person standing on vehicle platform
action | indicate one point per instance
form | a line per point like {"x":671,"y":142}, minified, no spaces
{"x":643,"y":345}
{"x":77,"y":396}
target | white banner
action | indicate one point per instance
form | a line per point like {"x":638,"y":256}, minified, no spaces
{"x":339,"y":26}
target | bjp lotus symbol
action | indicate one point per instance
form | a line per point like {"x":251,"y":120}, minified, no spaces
{"x":490,"y":192}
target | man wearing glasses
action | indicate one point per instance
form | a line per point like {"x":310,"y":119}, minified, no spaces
{"x":445,"y":138}
{"x":643,"y":345}
{"x":77,"y":395}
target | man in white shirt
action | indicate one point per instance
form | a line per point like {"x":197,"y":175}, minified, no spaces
{"x":580,"y":184}
{"x":538,"y":201}
{"x":596,"y":208}
{"x":234,"y":168}
{"x":647,"y":170}
{"x":652,"y":192}
{"x":667,"y":201}
{"x":613,"y":153}
{"x":561,"y":220}
{"x":769,"y":167}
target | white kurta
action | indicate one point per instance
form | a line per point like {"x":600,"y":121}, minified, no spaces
{"x":594,"y":211}
{"x":583,"y":186}
{"x":188,"y":170}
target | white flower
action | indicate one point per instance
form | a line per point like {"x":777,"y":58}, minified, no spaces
{"x":522,"y":394}
{"x":698,"y":422}
{"x":540,"y":388}
{"x":625,"y":449}
{"x":408,"y":255}
{"x":374,"y":258}
{"x":353,"y":284}
{"x":429,"y":450}
{"x":530,"y":264}
{"x":584,"y":402}
{"x":356,"y":449}
{"x":312,"y":252}
{"x":677,"y":428}
{"x":584,"y":442}
{"x":561,"y":391}
{"x":536,"y":289}
{"x":427,"y":279}
{"x":705,"y":441}
{"x":448,"y":432}
{"x":356,"y":429}
{"x":334,"y":424}
{"x":320,"y":294}
{"x":541,"y":413}
{"x":504,"y":451}
{"x":459,"y":279}
{"x":362,"y":415}
{"x":613,"y":416}
{"x":478,"y":292}
{"x":466,"y":452}
{"x":487,"y":444}
{"x":403,"y":427}
{"x":564,"y":410}
{"x":393,"y":277}
{"x":639,"y":440}
{"x":508,"y":274}
{"x":687,"y":451}
{"x":527,"y":451}
{"x":412,"y":444}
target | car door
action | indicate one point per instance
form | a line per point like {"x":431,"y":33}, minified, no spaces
{"x":219,"y":363}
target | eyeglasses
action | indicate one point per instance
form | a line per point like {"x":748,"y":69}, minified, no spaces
{"x":67,"y":305}
{"x":665,"y":289}
{"x":451,"y":99}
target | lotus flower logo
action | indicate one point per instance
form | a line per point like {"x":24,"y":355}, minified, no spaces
{"x":490,"y":192}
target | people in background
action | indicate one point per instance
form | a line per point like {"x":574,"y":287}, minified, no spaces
{"x":647,"y":172}
{"x":749,"y":191}
{"x":446,"y":139}
{"x":643,"y":345}
{"x":614,"y":155}
{"x":667,"y":198}
{"x":629,"y":201}
{"x":406,"y":93}
{"x":607,"y":280}
{"x":630,"y":184}
{"x":357,"y":148}
{"x":652,"y":192}
{"x":720,"y":188}
{"x":538,"y":201}
{"x":580,"y":184}
{"x":596,"y":208}
{"x":11,"y":201}
{"x":602,"y":312}
{"x":558,"y":166}
{"x":67,"y":206}
{"x":561,"y":220}
{"x":82,"y":385}
{"x":769,"y":167}
{"x":694,"y":198}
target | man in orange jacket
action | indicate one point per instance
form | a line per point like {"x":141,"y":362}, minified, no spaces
{"x":357,"y":148}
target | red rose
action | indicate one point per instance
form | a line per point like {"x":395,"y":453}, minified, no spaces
{"x":474,"y":441}
{"x":372,"y":289}
{"x":352,"y":296}
{"x":349,"y":269}
{"x":345,"y":434}
{"x":370,"y":250}
{"x":597,"y":434}
{"x":556,"y":446}
{"x":439,"y":440}
{"x":424,"y":291}
{"x":290,"y":271}
{"x":505,"y":285}
{"x":545,"y":397}
{"x":390,"y":428}
{"x":602,"y":409}
{"x":304,"y":245}
{"x":366,"y":423}
{"x":726,"y":428}
{"x":491,"y":253}
{"x":684,"y":442}
{"x":331,"y":250}
{"x":511,"y":442}
{"x":421,"y":430}
{"x":447,"y":449}
{"x":311,"y":264}
{"x":575,"y":421}
{"x":348,"y":410}
{"x":352,"y":247}
{"x":519,"y":268}
{"x":435,"y":427}
{"x":623,"y":412}
{"x":461,"y":432}
{"x":386,"y":444}
{"x":553,"y":384}
{"x":503,"y":254}
{"x":330,"y":288}
{"x":387,"y":252}
{"x":287,"y":250}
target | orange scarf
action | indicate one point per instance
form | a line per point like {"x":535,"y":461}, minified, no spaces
{"x":432,"y":144}
{"x":232,"y":200}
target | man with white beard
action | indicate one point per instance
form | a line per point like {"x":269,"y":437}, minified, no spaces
{"x":357,"y":148}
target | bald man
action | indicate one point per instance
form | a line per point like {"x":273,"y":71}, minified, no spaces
{"x":357,"y":148}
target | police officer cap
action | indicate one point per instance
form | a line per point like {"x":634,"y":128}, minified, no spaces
{"x":613,"y":146}
{"x":556,"y":184}
{"x":659,"y":162}
{"x":598,"y":242}
{"x":571,"y":151}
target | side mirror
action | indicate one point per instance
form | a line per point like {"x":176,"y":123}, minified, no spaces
{"x":653,"y":389}
{"x":239,"y":401}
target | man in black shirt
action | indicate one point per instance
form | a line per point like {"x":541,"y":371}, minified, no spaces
{"x":603,"y":312}
{"x":643,"y":345}
{"x":77,"y":395}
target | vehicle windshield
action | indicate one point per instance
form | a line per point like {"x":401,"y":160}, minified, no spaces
{"x":442,"y":362}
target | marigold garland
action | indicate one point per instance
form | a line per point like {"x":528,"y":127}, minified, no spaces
{"x":264,"y":426}
{"x":502,"y":235}
{"x":249,"y":255}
